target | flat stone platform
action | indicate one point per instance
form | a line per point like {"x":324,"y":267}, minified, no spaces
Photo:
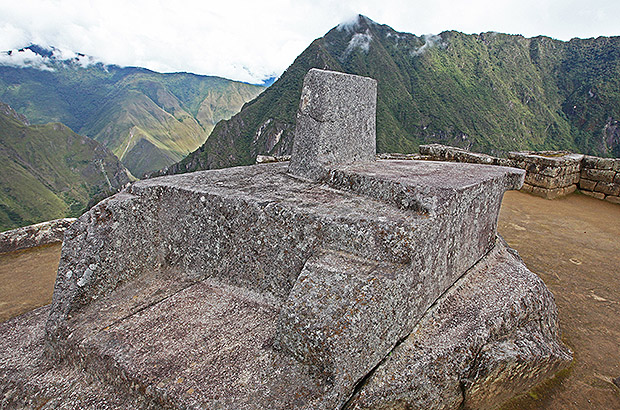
{"x":351,"y":261}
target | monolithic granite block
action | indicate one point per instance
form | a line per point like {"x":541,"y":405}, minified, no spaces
{"x":407,"y":229}
{"x":335,"y":122}
{"x":462,"y":349}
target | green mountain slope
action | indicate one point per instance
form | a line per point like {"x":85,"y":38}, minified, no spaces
{"x":48,"y":171}
{"x":490,"y":92}
{"x":149,"y":120}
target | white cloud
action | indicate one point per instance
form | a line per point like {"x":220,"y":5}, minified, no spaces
{"x":359,"y":40}
{"x":24,"y":58}
{"x":430,"y":40}
{"x":251,"y":41}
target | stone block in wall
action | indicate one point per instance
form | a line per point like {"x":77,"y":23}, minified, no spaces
{"x":506,"y":162}
{"x":547,"y":158}
{"x":434,"y":150}
{"x":34,"y":235}
{"x":447,"y":153}
{"x":617,"y":178}
{"x":399,"y":156}
{"x":551,"y":164}
{"x":617,"y":165}
{"x":597,"y":195}
{"x":548,"y":182}
{"x":598,"y":163}
{"x":476,"y":158}
{"x":608,"y":188}
{"x":613,"y":199}
{"x":548,"y":193}
{"x":587,"y":184}
{"x":568,"y":190}
{"x":598,"y":174}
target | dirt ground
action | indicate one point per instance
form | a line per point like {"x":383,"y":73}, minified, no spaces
{"x":572,"y":243}
{"x":27,"y":279}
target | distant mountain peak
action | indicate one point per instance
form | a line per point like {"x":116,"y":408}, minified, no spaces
{"x":357,"y":24}
{"x":44,"y":58}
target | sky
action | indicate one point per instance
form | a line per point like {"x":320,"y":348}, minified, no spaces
{"x":253,"y":41}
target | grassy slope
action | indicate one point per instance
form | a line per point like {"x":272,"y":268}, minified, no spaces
{"x":172,"y":114}
{"x":490,"y":92}
{"x":48,"y":171}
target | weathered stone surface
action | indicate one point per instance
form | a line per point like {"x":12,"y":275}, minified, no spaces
{"x":549,"y":159}
{"x":548,"y":174}
{"x":415,"y":225}
{"x":477,"y":343}
{"x":608,"y":188}
{"x":587,"y":184}
{"x":447,"y":153}
{"x":598,"y":175}
{"x":29,"y":380}
{"x":399,"y":156}
{"x":597,"y":162}
{"x":210,"y":346}
{"x":335,"y":122}
{"x":613,"y":199}
{"x":249,"y":288}
{"x":253,"y":287}
{"x":597,"y":195}
{"x":34,"y":235}
{"x":544,"y":181}
{"x":549,"y":193}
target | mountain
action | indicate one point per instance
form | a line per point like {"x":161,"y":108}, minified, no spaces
{"x":148,"y":119}
{"x":488,"y":92}
{"x":48,"y":171}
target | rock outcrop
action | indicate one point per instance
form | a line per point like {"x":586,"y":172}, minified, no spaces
{"x":365,"y":284}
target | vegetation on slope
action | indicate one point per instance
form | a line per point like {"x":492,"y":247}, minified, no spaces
{"x":127,"y":109}
{"x":48,"y":171}
{"x":490,"y":92}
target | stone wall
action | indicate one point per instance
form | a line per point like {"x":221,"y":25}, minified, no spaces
{"x":600,"y":178}
{"x":549,"y":174}
{"x":34,"y":235}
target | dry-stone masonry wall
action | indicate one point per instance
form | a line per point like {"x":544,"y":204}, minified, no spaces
{"x":600,"y":178}
{"x":34,"y":235}
{"x":548,"y":174}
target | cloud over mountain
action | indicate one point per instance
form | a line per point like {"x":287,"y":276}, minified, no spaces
{"x":254,"y":41}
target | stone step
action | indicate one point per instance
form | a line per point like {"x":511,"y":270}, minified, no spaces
{"x":207,"y":346}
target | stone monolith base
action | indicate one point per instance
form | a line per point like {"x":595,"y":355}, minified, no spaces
{"x":249,"y":288}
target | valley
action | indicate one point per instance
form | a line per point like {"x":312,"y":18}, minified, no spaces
{"x":149,"y":120}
